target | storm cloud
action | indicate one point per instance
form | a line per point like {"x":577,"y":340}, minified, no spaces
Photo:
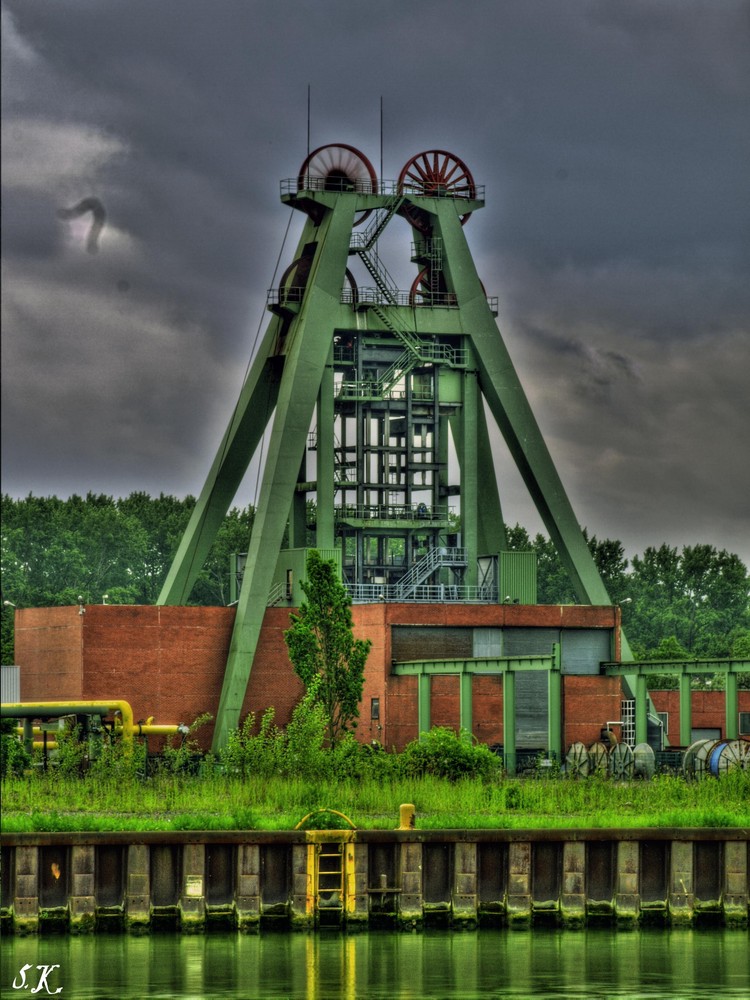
{"x":613,"y":142}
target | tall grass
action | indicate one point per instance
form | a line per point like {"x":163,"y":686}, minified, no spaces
{"x":44,"y":802}
{"x":270,"y":779}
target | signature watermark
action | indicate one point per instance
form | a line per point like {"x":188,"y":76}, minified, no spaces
{"x":34,"y":979}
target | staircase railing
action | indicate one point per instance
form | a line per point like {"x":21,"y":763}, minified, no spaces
{"x":435,"y":559}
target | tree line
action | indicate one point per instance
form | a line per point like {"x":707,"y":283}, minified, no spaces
{"x":675,"y":604}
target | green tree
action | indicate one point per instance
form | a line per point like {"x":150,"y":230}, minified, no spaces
{"x":326,"y":657}
{"x":164,"y":519}
{"x":699,"y":597}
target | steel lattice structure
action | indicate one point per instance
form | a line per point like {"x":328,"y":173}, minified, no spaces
{"x":363,"y":388}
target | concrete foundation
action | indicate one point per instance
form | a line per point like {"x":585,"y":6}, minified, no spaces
{"x":407,"y":879}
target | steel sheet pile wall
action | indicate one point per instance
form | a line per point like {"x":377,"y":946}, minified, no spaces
{"x":404,"y":879}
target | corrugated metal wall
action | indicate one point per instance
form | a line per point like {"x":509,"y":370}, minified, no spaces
{"x":431,"y":642}
{"x":10,"y":684}
{"x":532,"y":699}
{"x":584,"y":649}
{"x":518,"y":577}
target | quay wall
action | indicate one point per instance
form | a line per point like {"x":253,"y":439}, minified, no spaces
{"x":405,"y":879}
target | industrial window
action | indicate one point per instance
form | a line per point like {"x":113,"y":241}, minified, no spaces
{"x":375,"y":709}
{"x":627,"y":717}
{"x":744,"y":723}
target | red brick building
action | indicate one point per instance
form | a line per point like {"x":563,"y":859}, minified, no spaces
{"x":168,"y":662}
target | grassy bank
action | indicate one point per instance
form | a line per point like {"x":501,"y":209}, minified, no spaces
{"x":219,"y":802}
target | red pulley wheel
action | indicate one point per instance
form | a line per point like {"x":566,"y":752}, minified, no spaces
{"x":338,"y":167}
{"x":435,"y":173}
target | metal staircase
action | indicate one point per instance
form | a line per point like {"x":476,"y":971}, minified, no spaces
{"x":276,"y":595}
{"x":416,"y":351}
{"x":364,"y":242}
{"x":361,"y":242}
{"x":435,"y":559}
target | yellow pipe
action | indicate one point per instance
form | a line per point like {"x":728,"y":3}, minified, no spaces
{"x":50,"y":709}
{"x":140,"y":729}
{"x":147,"y":729}
{"x":125,"y":724}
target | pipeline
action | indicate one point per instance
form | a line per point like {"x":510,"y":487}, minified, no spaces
{"x":123,"y":725}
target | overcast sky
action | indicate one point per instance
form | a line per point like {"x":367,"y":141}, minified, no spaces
{"x":613,"y":139}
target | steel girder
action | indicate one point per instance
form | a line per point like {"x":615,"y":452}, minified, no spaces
{"x":292,"y":375}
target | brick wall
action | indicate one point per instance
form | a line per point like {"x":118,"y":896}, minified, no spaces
{"x":707,"y":710}
{"x":49,"y":650}
{"x":169,"y":663}
{"x":589,"y":702}
{"x":487,"y":709}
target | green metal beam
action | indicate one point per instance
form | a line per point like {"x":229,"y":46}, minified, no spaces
{"x":554,"y":711}
{"x":509,"y":666}
{"x":466,"y":712}
{"x":424,"y":718}
{"x":641,"y":709}
{"x":491,"y":526}
{"x":731,"y":707}
{"x":324,"y":515}
{"x":308,"y":344}
{"x":692,"y":667}
{"x":469,"y":476}
{"x":509,"y":722}
{"x":686,"y":710}
{"x":488,"y":665}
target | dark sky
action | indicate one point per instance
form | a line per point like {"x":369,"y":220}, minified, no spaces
{"x":613,"y":140}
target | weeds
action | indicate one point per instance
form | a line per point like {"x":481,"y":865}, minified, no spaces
{"x":268,"y":778}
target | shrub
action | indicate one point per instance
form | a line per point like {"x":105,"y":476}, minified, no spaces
{"x":14,"y":757}
{"x":305,"y":755}
{"x":185,"y":758}
{"x":115,"y":761}
{"x":446,"y":754}
{"x":249,"y":754}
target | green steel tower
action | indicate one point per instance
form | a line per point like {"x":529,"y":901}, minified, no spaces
{"x":375,"y":399}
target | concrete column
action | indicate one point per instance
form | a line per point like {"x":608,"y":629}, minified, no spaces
{"x":248,"y":888}
{"x":735,"y":896}
{"x":573,"y":908}
{"x":357,"y":880}
{"x":303,"y":885}
{"x":509,"y":722}
{"x":686,"y":711}
{"x":138,"y":889}
{"x":26,"y":901}
{"x":627,"y":897}
{"x":411,"y":901}
{"x":193,"y":898}
{"x":82,"y":892}
{"x":464,"y":893}
{"x":519,"y":881}
{"x":681,"y":887}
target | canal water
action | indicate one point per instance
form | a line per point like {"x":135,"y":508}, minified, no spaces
{"x":586,"y":965}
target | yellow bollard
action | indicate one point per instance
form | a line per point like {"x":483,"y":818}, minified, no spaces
{"x":406,"y":816}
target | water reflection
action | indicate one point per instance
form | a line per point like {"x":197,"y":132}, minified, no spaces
{"x":380,"y":966}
